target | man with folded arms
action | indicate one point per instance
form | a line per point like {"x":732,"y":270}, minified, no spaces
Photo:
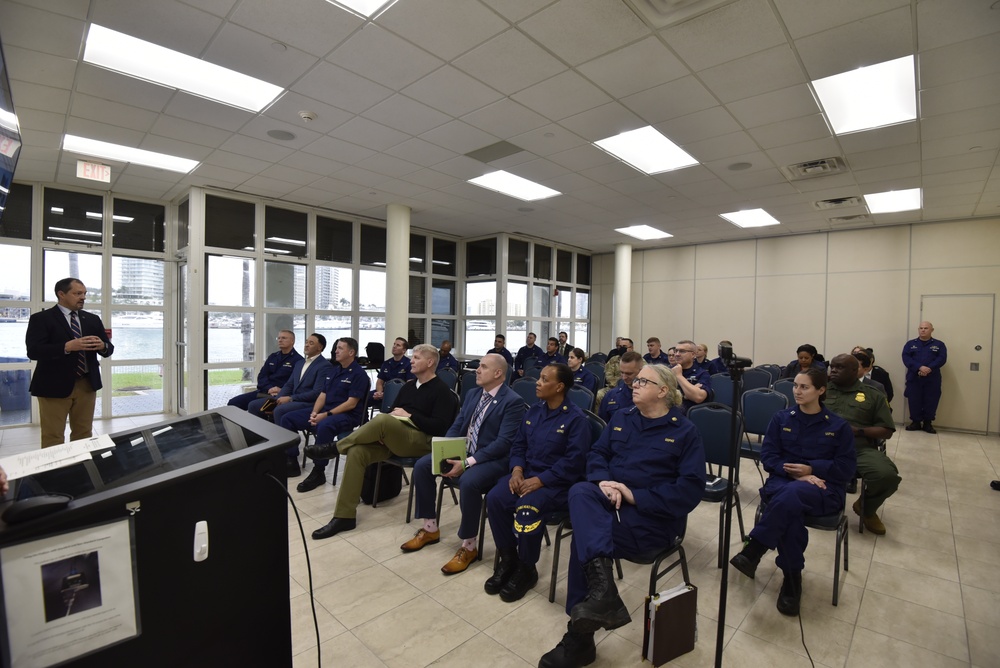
{"x":338,"y":408}
{"x":489,"y":421}
{"x":274,"y":373}
{"x":424,"y":408}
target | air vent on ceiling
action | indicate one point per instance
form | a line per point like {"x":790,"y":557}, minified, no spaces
{"x":494,"y":151}
{"x":814,"y":168}
{"x":837,"y":203}
{"x":860,"y":219}
{"x":662,"y":13}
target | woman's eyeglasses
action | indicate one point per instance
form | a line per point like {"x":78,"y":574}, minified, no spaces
{"x":641,"y":382}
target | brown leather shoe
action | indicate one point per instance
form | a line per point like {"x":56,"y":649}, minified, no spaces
{"x":460,"y":561}
{"x":420,"y":539}
{"x":874,"y":524}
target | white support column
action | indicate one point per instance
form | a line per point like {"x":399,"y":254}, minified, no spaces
{"x":194,"y":357}
{"x":622,"y":299}
{"x":397,"y":273}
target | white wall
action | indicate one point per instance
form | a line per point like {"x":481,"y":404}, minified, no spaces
{"x":834,"y":290}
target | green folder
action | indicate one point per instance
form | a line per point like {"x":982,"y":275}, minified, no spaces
{"x":443,"y":447}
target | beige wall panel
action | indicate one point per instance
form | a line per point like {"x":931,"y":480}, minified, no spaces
{"x":790,"y":311}
{"x":958,"y":244}
{"x":600,"y":319}
{"x":870,"y":309}
{"x":667,"y":313}
{"x":723,"y":309}
{"x":668,"y":264}
{"x":785,"y":256}
{"x":870,"y":249}
{"x":602,"y":269}
{"x":635,"y":323}
{"x":726,"y":260}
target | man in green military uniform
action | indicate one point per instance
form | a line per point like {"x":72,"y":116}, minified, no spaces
{"x":867,"y":411}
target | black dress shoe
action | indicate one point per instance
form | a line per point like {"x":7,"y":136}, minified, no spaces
{"x":913,"y":426}
{"x":334,"y":526}
{"x":316,"y":478}
{"x":929,"y":428}
{"x":852,"y":486}
{"x":995,"y":485}
{"x":322,"y":451}
{"x":790,"y":594}
{"x":292,"y":467}
{"x":524,"y":578}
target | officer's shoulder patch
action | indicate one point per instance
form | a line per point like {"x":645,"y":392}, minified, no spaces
{"x":617,"y":428}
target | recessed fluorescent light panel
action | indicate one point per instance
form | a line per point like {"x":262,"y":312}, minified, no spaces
{"x":103,"y":149}
{"x":869,"y":97}
{"x":145,"y":60}
{"x":647,"y":150}
{"x":894,"y":200}
{"x":513,"y":185}
{"x":367,"y":9}
{"x":750,"y":218}
{"x":643,"y":232}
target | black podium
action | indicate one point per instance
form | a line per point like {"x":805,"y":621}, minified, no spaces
{"x":189,"y":504}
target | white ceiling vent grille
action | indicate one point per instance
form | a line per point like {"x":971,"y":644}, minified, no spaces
{"x":814,"y":168}
{"x":837,"y":203}
{"x":860,"y":219}
{"x":662,"y":13}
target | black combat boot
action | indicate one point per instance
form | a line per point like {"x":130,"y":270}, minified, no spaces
{"x":603,"y":608}
{"x":501,"y":575}
{"x":749,"y":557}
{"x":574,"y":650}
{"x":790,"y":594}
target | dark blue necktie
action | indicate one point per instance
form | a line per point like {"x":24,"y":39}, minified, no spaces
{"x":81,"y":357}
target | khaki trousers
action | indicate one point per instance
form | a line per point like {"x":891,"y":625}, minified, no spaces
{"x":79,"y":406}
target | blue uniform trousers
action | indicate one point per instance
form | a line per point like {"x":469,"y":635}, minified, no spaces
{"x":326,"y":431}
{"x":531,"y":509}
{"x":279,"y":411}
{"x":242,"y":401}
{"x":597,"y":532}
{"x":472,"y":485}
{"x":922,"y":395}
{"x":782,"y":525}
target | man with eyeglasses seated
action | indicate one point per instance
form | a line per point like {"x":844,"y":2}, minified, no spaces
{"x":275,"y":372}
{"x":694,"y":382}
{"x":620,"y":396}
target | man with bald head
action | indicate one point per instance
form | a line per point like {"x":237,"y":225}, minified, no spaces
{"x":923,"y":358}
{"x":867,"y":411}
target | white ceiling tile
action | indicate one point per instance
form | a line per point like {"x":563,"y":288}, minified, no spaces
{"x":200,"y":110}
{"x":780,"y":105}
{"x":893,"y":155}
{"x":579,"y":30}
{"x":822,"y":188}
{"x":452,"y":91}
{"x":388,"y":165}
{"x":977,"y":175}
{"x":261,"y":125}
{"x":340,"y":88}
{"x":961,"y":144}
{"x":582,"y":157}
{"x":406,"y":115}
{"x":761,"y":72}
{"x":175,"y":147}
{"x":198,"y":133}
{"x":35,"y":119}
{"x":240,"y":163}
{"x":960,"y":122}
{"x":32,"y":96}
{"x":634,"y":68}
{"x":339,"y":150}
{"x":548,"y":139}
{"x":334,"y":187}
{"x":446,"y":29}
{"x":31,"y":65}
{"x":370,"y":134}
{"x":866,"y":42}
{"x":420,"y":152}
{"x":705,"y":124}
{"x":949,"y":21}
{"x":569,"y":182}
{"x":102,"y":131}
{"x":609,"y":172}
{"x":458,"y":137}
{"x":95,"y":109}
{"x":313,"y":164}
{"x":359,"y":176}
{"x":39,"y":30}
{"x":164,"y":22}
{"x":247,"y":52}
{"x":815,"y":149}
{"x":539,"y":170}
{"x":309,"y":196}
{"x":722,"y":146}
{"x":965,"y":60}
{"x":878,"y":174}
{"x":604,"y":121}
{"x":289,"y":175}
{"x":313,"y":26}
{"x":264,"y":187}
{"x":505,"y":119}
{"x":804,"y":128}
{"x":41,"y":140}
{"x":207,"y":174}
{"x":463,"y":168}
{"x":401,"y":188}
{"x":120,"y":88}
{"x":430,"y":178}
{"x":961,"y":95}
{"x":379,"y":55}
{"x":287,"y":107}
{"x":730,"y":32}
{"x":509,"y":62}
{"x":806,"y":18}
{"x":255,"y":148}
{"x":135,"y":185}
{"x":563,"y":95}
{"x":869,"y":140}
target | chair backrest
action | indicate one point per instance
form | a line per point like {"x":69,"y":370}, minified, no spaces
{"x":468,"y":380}
{"x":759,"y":406}
{"x":784,"y":386}
{"x":597,"y":426}
{"x":389,"y":393}
{"x":599,"y":357}
{"x":529,"y":362}
{"x":376,"y":354}
{"x":722,"y":388}
{"x":714,"y":423}
{"x":532,"y":372}
{"x":582,"y":397}
{"x":772,"y":369}
{"x":525,"y":388}
{"x":449,"y":377}
{"x":754,"y":378}
{"x":597,"y":369}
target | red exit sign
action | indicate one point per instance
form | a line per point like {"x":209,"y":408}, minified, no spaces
{"x":93,"y":171}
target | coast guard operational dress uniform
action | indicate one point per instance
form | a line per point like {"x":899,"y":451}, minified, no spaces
{"x":275,"y":372}
{"x":697,"y":375}
{"x":924,"y":392}
{"x":825,"y":442}
{"x":552,"y":445}
{"x":585,"y":379}
{"x":617,"y":398}
{"x":662,"y":461}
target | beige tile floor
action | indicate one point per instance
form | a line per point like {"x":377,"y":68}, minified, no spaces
{"x":925,"y":594}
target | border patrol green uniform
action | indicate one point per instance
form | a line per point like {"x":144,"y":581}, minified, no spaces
{"x":864,"y":406}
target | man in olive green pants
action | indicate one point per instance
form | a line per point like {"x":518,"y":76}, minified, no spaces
{"x":867,"y":411}
{"x":424,"y":408}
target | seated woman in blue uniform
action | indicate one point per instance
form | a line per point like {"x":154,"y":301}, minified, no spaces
{"x":581,"y":376}
{"x":806,"y":359}
{"x":547,"y":456}
{"x":644,"y":475}
{"x":809,"y":453}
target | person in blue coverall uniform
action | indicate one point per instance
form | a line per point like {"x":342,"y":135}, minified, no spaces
{"x":620,"y":396}
{"x":694,"y":382}
{"x":551,"y":354}
{"x":644,"y":475}
{"x":500,"y":348}
{"x":655,"y":354}
{"x":447,"y":360}
{"x":274,"y":373}
{"x":488,"y":421}
{"x":809,"y":453}
{"x":547,"y":457}
{"x":923,"y":358}
{"x":339,"y":407}
{"x":397,"y":366}
{"x":529,"y":349}
{"x":581,"y":376}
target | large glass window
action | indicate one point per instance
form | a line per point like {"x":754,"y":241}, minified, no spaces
{"x":136,"y":281}
{"x":371,"y":285}
{"x":371,"y":330}
{"x":480,"y":309}
{"x":137,"y":335}
{"x":415,"y":333}
{"x":582,"y":269}
{"x":564,"y":302}
{"x":16,"y":220}
{"x":541,"y":302}
{"x":183,"y":224}
{"x":418,"y":295}
{"x":445,"y":257}
{"x":334,"y":288}
{"x":230,"y":281}
{"x":138,"y":226}
{"x":275,"y":322}
{"x":443,"y":329}
{"x":230,"y":337}
{"x":334,"y":240}
{"x":517,"y":257}
{"x":332,"y":327}
{"x":481,"y":257}
{"x":418,"y":253}
{"x":564,"y":265}
{"x":373,"y":245}
{"x":582,"y":304}
{"x":71,"y":217}
{"x":137,"y":388}
{"x":86,"y":267}
{"x":543,"y":262}
{"x":284,"y":285}
{"x":285,"y":231}
{"x":442,"y":297}
{"x":229,"y":223}
{"x":16,"y":263}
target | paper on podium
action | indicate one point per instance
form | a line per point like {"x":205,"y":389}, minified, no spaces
{"x":55,"y":457}
{"x":443,"y":447}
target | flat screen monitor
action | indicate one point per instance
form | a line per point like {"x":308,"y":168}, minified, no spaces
{"x":10,"y":135}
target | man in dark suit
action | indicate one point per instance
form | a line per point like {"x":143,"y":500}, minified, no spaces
{"x":565,"y":347}
{"x":65,"y":340}
{"x":306,"y":382}
{"x":489,"y":421}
